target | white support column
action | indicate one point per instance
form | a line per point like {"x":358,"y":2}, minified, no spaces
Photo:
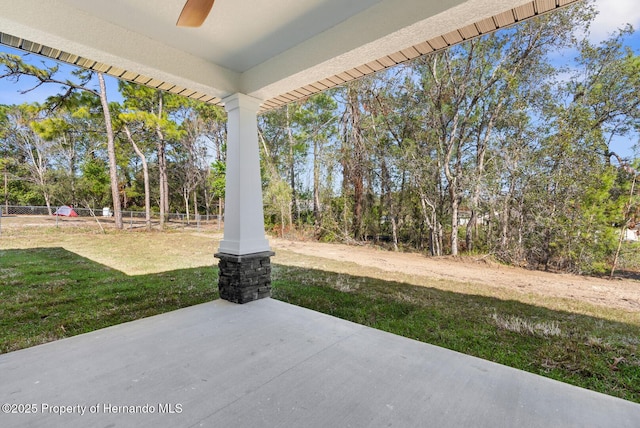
{"x":244,"y":219}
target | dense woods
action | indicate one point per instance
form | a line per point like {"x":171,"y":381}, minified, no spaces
{"x":487,"y":147}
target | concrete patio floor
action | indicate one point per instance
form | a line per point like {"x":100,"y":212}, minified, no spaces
{"x":271,"y":364}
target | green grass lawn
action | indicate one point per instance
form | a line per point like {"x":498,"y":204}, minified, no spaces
{"x":50,"y":293}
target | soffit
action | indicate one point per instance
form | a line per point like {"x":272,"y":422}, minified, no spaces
{"x":278,"y":51}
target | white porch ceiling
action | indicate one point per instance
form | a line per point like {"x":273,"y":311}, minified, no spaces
{"x":276,"y":50}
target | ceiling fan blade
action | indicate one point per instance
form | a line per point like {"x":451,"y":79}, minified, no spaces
{"x":194,"y":13}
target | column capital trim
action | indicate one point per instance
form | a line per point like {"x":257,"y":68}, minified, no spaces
{"x":238,"y":100}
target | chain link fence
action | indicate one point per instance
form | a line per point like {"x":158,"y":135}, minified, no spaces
{"x":104,"y":217}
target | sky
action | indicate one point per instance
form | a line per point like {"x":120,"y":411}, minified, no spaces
{"x":612,"y":15}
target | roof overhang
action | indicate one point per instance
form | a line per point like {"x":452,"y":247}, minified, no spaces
{"x":277,"y":51}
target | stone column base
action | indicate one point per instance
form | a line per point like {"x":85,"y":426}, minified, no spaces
{"x":244,"y":278}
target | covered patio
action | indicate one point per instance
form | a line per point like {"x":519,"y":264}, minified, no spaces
{"x":266,"y":363}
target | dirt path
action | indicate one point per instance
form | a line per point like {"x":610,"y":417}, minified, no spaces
{"x":195,"y":249}
{"x":617,"y":293}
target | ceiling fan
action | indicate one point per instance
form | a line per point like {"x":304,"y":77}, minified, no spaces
{"x":194,"y":13}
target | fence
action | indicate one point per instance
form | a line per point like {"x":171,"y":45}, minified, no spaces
{"x":131,"y":219}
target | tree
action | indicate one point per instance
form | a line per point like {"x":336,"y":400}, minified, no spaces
{"x":354,"y":156}
{"x":35,"y":151}
{"x":317,"y":118}
{"x":15,"y":67}
{"x":111,"y":151}
{"x":604,"y":93}
{"x":631,"y":212}
{"x":280,"y":131}
{"x":465,"y":91}
{"x":8,"y":156}
{"x":192,"y":156}
{"x":72,"y":128}
{"x":214,"y":120}
{"x":597,"y":104}
{"x":216,"y":180}
{"x":153,"y":107}
{"x":145,"y":172}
